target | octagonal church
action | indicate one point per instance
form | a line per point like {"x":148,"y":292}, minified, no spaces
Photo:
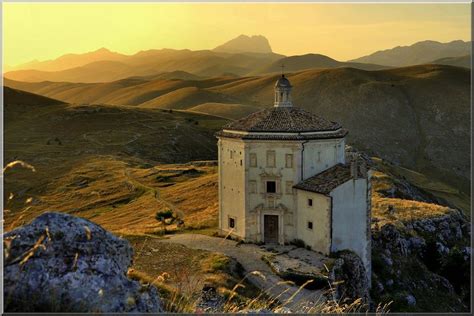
{"x":283,"y":176}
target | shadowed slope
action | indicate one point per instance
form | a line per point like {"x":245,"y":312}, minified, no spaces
{"x":19,"y":97}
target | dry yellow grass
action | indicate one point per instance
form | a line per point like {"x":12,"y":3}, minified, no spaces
{"x":395,"y":210}
{"x":125,"y":199}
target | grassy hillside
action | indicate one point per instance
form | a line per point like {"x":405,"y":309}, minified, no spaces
{"x":226,"y":110}
{"x":89,"y":160}
{"x":415,"y":116}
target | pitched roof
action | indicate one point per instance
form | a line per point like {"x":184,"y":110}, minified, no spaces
{"x":283,"y":119}
{"x":328,"y":180}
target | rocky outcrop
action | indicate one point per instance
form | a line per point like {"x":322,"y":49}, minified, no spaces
{"x":300,"y":265}
{"x":422,"y":261}
{"x":349,"y":277}
{"x":62,"y":263}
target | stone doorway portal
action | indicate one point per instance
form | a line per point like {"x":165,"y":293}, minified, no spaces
{"x":270,"y":229}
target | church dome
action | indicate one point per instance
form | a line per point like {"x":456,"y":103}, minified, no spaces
{"x":283,"y":82}
{"x":280,"y":119}
{"x":283,"y":121}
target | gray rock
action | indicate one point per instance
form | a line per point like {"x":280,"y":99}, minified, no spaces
{"x":444,"y":225}
{"x":255,"y":311}
{"x":283,"y":310}
{"x":387,"y":260}
{"x":417,"y":243}
{"x":379,"y":287}
{"x":411,"y":301}
{"x":210,"y":301}
{"x":349,"y":268}
{"x":441,"y":248}
{"x":62,"y":263}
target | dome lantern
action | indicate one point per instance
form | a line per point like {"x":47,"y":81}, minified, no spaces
{"x":283,"y":92}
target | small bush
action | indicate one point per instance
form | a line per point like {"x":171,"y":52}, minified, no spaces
{"x":164,"y":214}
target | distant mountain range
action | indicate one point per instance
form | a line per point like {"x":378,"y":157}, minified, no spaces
{"x":72,"y":60}
{"x":241,"y":56}
{"x":419,"y":53}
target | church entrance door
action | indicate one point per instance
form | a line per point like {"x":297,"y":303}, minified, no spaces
{"x":270,"y":230}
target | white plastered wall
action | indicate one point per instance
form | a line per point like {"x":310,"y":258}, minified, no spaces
{"x":232,"y":185}
{"x":318,"y":238}
{"x":351,"y":219}
{"x":320,"y":155}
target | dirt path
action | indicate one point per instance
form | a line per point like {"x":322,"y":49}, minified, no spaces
{"x":249,"y":256}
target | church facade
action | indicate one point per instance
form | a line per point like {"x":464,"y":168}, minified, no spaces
{"x":283,"y":176}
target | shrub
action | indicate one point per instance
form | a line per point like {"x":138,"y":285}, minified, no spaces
{"x":164,"y":214}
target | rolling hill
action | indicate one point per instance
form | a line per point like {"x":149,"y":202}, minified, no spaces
{"x":415,"y":116}
{"x":463,"y":61}
{"x":418,"y":53}
{"x":310,"y":61}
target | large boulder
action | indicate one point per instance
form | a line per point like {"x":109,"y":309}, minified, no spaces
{"x":349,"y":277}
{"x":62,"y":263}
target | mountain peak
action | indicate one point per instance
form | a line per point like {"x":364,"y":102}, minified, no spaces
{"x":245,"y":44}
{"x":103,"y":50}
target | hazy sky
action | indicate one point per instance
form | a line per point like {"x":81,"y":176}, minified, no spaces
{"x":342,"y":31}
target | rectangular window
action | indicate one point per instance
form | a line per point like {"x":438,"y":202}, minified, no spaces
{"x":231,"y":222}
{"x":289,"y":160}
{"x":253,"y":186}
{"x":253,"y":160}
{"x":310,"y":202}
{"x":310,"y":225}
{"x":289,"y":187}
{"x":271,"y":187}
{"x":271,"y":158}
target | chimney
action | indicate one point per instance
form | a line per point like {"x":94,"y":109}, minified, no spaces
{"x":363,"y":169}
{"x":354,"y":167}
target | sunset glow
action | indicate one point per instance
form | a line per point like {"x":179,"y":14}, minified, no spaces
{"x":342,"y":31}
